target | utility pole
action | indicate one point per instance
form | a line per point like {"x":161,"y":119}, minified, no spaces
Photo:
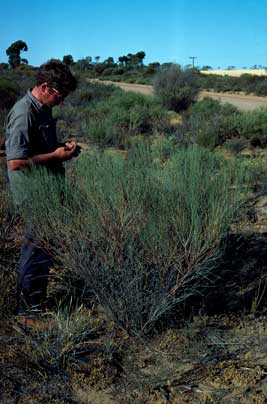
{"x":193,"y":60}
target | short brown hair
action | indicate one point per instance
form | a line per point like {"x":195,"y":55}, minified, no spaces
{"x":56,"y":74}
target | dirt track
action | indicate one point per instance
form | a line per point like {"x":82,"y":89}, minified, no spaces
{"x":244,"y":102}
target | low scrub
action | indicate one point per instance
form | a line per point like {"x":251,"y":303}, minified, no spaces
{"x":236,"y":145}
{"x":58,"y":345}
{"x":142,"y":234}
{"x":8,"y":93}
{"x":176,"y":88}
{"x":247,"y":83}
{"x":71,"y":115}
{"x":252,"y":125}
{"x":8,"y":253}
{"x":211,"y":123}
{"x":112,"y":122}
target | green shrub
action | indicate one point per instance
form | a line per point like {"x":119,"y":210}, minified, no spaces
{"x":113,"y":121}
{"x":247,"y":83}
{"x":56,"y":347}
{"x":143,"y":235}
{"x":71,"y":115}
{"x":256,"y":172}
{"x":9,"y":91}
{"x":176,"y":88}
{"x":8,"y":249}
{"x":108,"y":71}
{"x":261,"y":88}
{"x":13,"y":85}
{"x":162,"y":147}
{"x":235,"y":145}
{"x":90,"y":92}
{"x":252,"y":125}
{"x":210,"y":122}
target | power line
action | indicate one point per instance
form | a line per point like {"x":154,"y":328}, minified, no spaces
{"x":193,"y":60}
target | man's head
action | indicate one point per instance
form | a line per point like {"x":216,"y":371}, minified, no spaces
{"x":54,"y":81}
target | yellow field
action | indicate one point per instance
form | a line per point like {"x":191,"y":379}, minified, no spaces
{"x":237,"y":73}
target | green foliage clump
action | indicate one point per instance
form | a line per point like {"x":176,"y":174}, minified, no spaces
{"x":112,"y":122}
{"x":235,"y":145}
{"x":176,"y":88}
{"x":261,"y":88}
{"x":247,"y":83}
{"x":255,"y":169}
{"x":210,"y":122}
{"x":7,"y":274}
{"x":9,"y":91}
{"x":252,"y":125}
{"x":8,"y":248}
{"x":56,"y":347}
{"x":71,"y":115}
{"x":143,"y":232}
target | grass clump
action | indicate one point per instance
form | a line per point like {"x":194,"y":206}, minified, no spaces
{"x":8,"y":247}
{"x":144,"y":235}
{"x":59,"y":343}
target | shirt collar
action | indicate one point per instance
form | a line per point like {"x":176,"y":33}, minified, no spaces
{"x":35,"y":101}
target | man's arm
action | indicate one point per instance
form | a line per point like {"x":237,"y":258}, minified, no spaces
{"x":60,"y":154}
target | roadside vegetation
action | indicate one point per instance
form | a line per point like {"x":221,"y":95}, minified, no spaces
{"x":131,"y":68}
{"x":158,"y":231}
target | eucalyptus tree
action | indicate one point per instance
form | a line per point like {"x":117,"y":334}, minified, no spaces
{"x":13,"y":53}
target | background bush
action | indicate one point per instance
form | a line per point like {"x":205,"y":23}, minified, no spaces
{"x":176,"y":88}
{"x":113,"y":121}
{"x":209,"y":123}
{"x":252,"y":125}
{"x":8,"y":93}
{"x":247,"y":83}
{"x":71,"y":115}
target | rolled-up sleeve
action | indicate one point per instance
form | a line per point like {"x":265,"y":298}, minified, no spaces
{"x":17,"y":135}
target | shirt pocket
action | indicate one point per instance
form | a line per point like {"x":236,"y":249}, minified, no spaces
{"x":48,"y":139}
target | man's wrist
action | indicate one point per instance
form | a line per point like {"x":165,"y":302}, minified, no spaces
{"x":53,"y":155}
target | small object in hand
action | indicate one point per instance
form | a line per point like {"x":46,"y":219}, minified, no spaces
{"x":77,"y":150}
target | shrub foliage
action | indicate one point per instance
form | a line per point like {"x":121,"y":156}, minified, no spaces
{"x":143,"y":235}
{"x":176,"y":88}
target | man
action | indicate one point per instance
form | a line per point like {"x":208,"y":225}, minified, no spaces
{"x":31,"y":140}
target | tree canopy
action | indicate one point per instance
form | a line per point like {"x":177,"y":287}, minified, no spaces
{"x":13,"y":53}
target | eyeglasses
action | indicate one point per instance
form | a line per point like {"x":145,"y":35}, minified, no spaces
{"x":57,"y":92}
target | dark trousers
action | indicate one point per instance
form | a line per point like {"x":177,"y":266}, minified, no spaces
{"x":33,"y":272}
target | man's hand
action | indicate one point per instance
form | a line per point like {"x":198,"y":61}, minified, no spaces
{"x":72,"y":146}
{"x":68,"y":151}
{"x":64,"y":154}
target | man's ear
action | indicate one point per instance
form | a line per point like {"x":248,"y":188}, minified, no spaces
{"x":43,"y":87}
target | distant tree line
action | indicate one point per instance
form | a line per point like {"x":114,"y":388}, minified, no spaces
{"x":131,"y":68}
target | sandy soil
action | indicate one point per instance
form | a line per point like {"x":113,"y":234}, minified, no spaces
{"x":244,"y":102}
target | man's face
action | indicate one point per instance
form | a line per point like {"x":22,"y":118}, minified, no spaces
{"x":51,"y":96}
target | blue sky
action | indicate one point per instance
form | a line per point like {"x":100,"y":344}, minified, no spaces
{"x":218,"y":33}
